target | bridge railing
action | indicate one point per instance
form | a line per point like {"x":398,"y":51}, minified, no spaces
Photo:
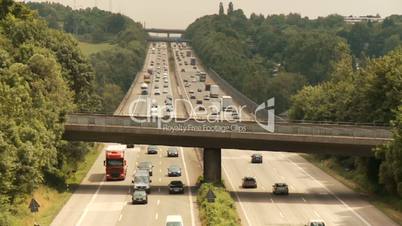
{"x":185,"y":124}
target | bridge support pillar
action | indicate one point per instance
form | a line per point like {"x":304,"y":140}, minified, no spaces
{"x":168,"y":35}
{"x":212,"y":165}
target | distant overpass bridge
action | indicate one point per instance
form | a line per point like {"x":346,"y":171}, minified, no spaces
{"x":166,"y":39}
{"x":168,"y":33}
{"x":350,"y":140}
{"x":165,"y":31}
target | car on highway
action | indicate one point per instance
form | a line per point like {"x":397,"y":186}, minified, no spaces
{"x":142,"y":181}
{"x":206,"y":97}
{"x":187,"y":85}
{"x":199,"y":101}
{"x":176,"y":187}
{"x":139,"y":197}
{"x":169,"y":108}
{"x":152,"y":150}
{"x":249,"y":182}
{"x":146,"y":166}
{"x":183,"y":70}
{"x":191,"y":91}
{"x":192,"y":97}
{"x":157,"y":92}
{"x":199,"y":90}
{"x":174,"y":220}
{"x":315,"y":223}
{"x":174,"y":171}
{"x":256,"y":158}
{"x":172,"y":152}
{"x":130,"y":146}
{"x":280,"y":189}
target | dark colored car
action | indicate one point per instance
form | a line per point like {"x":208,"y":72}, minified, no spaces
{"x":130,"y":145}
{"x":139,"y":197}
{"x":152,"y":150}
{"x":172,"y":152}
{"x":176,"y":187}
{"x":249,"y":182}
{"x":256,"y":158}
{"x":280,"y":189}
{"x":174,"y":171}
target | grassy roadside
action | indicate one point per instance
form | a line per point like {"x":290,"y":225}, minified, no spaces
{"x":389,"y":205}
{"x":90,"y":48}
{"x":222,"y":212}
{"x":51,"y":201}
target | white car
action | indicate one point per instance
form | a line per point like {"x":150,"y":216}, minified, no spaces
{"x":157,"y":92}
{"x":174,"y":220}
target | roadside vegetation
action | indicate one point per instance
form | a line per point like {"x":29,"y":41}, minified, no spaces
{"x":114,"y":44}
{"x":222,"y":212}
{"x":51,"y":200}
{"x":322,"y":70}
{"x":276,"y":55}
{"x":44,"y":76}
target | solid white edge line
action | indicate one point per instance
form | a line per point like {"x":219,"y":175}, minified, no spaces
{"x":237,"y":196}
{"x":90,"y":203}
{"x":331,"y":193}
{"x":190,"y":197}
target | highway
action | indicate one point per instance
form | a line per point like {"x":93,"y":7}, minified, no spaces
{"x":99,"y":202}
{"x":313,"y":194}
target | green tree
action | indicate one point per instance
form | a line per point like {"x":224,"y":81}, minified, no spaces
{"x":230,"y":8}
{"x":221,"y":10}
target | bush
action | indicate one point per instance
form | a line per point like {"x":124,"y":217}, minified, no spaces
{"x":221,"y":212}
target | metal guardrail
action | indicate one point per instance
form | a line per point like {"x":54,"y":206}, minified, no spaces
{"x":228,"y":127}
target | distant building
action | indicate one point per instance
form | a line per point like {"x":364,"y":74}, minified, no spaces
{"x":369,"y":18}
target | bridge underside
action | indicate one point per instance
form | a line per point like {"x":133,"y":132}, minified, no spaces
{"x":215,"y":140}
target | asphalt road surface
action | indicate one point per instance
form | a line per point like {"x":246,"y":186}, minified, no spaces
{"x":99,"y":202}
{"x":313,"y":194}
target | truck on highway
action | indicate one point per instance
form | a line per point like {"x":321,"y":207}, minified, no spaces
{"x":193,"y":61}
{"x":214,"y":92}
{"x":115,"y":164}
{"x":227,"y":102}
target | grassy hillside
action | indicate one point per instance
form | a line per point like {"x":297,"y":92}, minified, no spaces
{"x":91,"y":48}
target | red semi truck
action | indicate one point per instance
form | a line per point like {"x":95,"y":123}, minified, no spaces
{"x":115,"y":164}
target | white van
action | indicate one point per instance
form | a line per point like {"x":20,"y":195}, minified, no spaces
{"x":174,"y":220}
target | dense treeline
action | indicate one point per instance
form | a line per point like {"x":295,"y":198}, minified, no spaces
{"x":338,"y":71}
{"x":43,"y":76}
{"x":371,"y":94}
{"x":278,"y":54}
{"x":115,"y":68}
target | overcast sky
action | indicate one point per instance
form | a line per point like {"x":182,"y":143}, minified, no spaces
{"x":180,"y":13}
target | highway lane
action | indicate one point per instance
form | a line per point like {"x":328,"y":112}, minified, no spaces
{"x":99,"y":202}
{"x":314,"y":194}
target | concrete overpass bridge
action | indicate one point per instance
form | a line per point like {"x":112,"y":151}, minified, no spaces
{"x":168,"y":32}
{"x":350,"y":140}
{"x":166,"y":39}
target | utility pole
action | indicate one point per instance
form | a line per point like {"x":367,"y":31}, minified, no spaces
{"x":110,"y":6}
